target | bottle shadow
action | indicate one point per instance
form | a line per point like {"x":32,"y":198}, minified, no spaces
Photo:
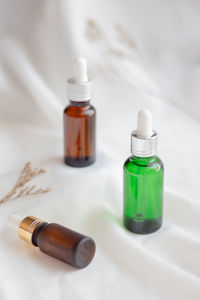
{"x":26,"y":252}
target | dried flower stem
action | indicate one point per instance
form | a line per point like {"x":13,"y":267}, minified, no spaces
{"x":26,"y":175}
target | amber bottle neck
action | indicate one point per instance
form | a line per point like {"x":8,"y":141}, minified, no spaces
{"x":79,"y":104}
{"x":36,"y":233}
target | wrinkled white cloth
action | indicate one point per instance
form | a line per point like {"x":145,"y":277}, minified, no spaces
{"x":141,"y":54}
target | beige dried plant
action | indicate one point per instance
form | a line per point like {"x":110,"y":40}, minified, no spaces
{"x":19,"y":190}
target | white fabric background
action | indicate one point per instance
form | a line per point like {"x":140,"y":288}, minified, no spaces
{"x":141,"y":54}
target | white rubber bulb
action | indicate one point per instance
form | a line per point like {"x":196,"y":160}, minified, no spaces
{"x":144,"y":124}
{"x":79,"y":70}
{"x":14,"y":221}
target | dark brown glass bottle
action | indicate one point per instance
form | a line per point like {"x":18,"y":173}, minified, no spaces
{"x":79,"y":134}
{"x":57,"y":241}
{"x":79,"y":118}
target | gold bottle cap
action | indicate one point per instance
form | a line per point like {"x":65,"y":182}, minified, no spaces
{"x":27,"y":227}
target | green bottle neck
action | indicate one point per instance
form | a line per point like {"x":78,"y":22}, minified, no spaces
{"x":143,"y":160}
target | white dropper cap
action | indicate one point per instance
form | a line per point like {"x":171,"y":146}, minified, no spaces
{"x":144,"y":139}
{"x":14,"y":222}
{"x":144,"y":124}
{"x":79,"y":85}
{"x":79,"y":70}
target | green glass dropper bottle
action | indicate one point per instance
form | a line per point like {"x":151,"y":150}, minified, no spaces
{"x":143,"y":180}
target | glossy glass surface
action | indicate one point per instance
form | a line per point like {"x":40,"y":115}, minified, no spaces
{"x":143,"y":194}
{"x":64,"y":244}
{"x":79,"y":134}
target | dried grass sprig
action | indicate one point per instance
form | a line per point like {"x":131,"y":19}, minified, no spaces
{"x":26,"y":175}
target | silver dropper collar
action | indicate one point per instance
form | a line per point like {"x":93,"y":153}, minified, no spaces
{"x":79,"y":91}
{"x":144,"y":146}
{"x":79,"y":85}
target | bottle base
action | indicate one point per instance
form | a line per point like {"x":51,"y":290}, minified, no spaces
{"x":79,"y":162}
{"x":143,"y":227}
{"x":84,"y":253}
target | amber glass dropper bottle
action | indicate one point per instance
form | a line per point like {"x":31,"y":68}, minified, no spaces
{"x":79,"y":118}
{"x":55,"y":240}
